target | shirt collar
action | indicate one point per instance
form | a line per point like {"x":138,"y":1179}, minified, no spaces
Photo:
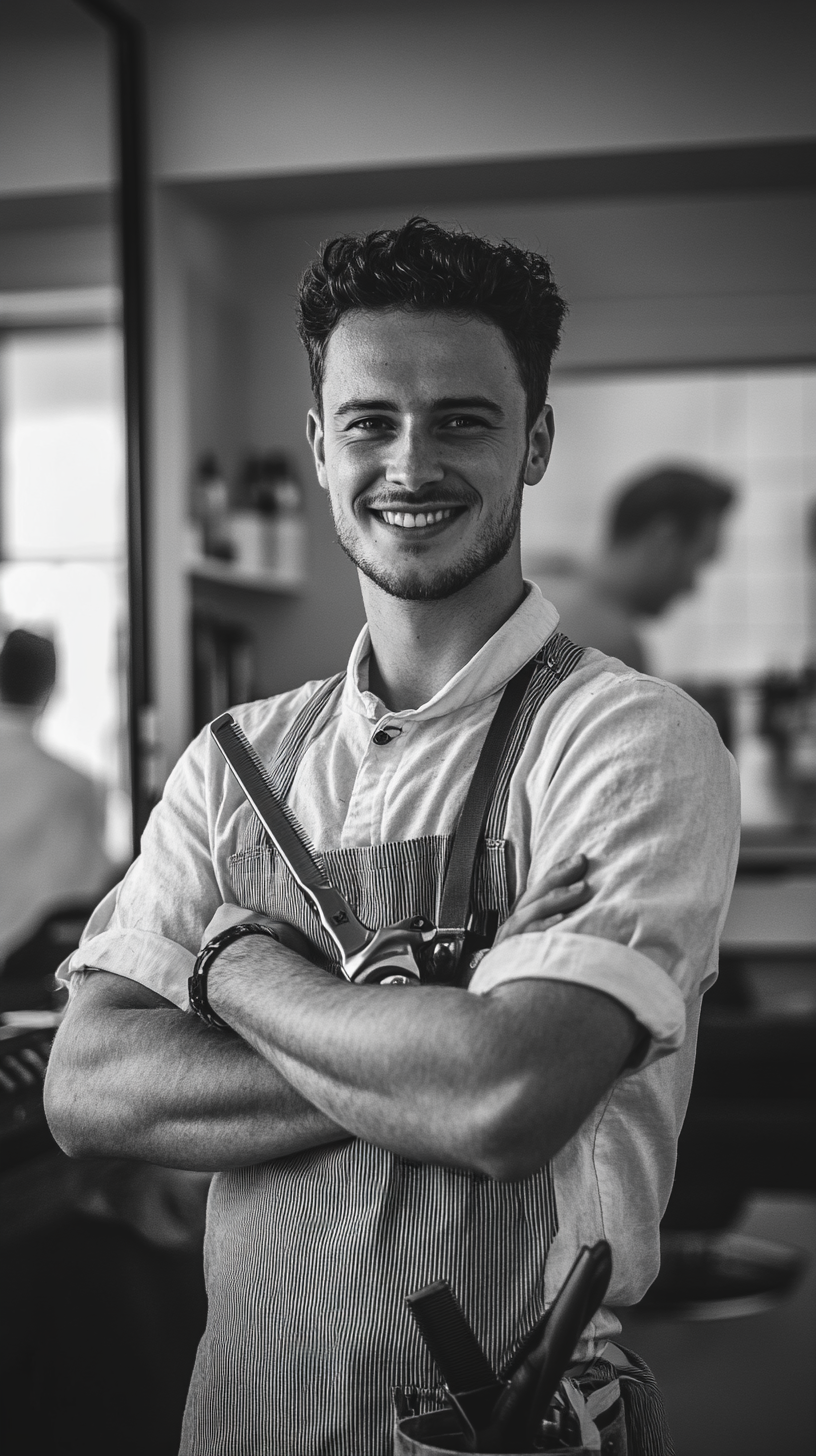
{"x":487,"y":672}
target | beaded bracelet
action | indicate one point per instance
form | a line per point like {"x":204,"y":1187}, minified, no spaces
{"x":197,"y":984}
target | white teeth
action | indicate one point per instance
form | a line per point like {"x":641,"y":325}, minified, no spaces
{"x":410,"y":521}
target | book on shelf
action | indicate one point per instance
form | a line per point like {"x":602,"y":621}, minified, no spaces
{"x":223,"y":667}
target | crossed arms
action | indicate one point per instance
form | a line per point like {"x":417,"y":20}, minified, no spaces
{"x":495,"y":1083}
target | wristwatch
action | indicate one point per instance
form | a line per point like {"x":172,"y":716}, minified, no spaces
{"x":197,"y":984}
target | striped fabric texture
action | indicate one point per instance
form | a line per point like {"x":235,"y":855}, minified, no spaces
{"x":308,"y":1259}
{"x":647,"y":1429}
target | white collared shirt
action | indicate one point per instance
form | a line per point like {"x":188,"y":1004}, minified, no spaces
{"x":624,"y":768}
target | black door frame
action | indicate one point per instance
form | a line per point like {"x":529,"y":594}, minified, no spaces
{"x":128,"y":53}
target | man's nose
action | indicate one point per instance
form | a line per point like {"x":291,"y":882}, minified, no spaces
{"x":413,"y":459}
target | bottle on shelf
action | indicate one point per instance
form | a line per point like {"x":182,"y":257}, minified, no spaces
{"x":252,"y":524}
{"x":290,"y":517}
{"x":224,"y":668}
{"x":210,"y":508}
{"x":267,"y":529}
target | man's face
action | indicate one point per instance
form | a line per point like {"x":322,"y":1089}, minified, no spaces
{"x":423,"y":448}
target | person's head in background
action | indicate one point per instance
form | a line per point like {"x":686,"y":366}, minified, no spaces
{"x":28,"y":670}
{"x":662,"y":528}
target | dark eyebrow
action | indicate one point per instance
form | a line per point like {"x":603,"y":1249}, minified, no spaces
{"x":448,"y":402}
{"x":352,"y":406}
{"x":468,"y":401}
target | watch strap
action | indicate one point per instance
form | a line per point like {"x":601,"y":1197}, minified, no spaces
{"x":197,"y":984}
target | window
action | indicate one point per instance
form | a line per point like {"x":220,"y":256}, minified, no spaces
{"x":63,"y":565}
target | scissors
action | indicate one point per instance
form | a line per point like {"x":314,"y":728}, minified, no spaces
{"x":396,"y":954}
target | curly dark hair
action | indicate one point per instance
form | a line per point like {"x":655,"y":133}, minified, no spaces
{"x":426,"y":267}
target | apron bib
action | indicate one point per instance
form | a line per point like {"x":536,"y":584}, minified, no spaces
{"x":308,"y":1258}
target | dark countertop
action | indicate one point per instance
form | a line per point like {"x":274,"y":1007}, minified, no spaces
{"x":778,"y":851}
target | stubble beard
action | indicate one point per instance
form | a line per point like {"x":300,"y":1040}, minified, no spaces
{"x":411,"y":585}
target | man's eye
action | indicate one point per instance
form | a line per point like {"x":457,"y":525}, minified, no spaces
{"x":464,"y":422}
{"x":370,"y":424}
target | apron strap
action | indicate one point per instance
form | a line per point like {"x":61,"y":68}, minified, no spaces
{"x":460,"y":933}
{"x":288,"y":757}
{"x":455,"y":901}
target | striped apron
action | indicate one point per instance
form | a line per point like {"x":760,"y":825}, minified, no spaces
{"x":308,"y":1258}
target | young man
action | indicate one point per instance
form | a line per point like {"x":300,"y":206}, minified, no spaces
{"x":663,"y":528}
{"x":377,"y":1138}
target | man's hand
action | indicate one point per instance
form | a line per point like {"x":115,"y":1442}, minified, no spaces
{"x":562,"y":889}
{"x":131,"y":1076}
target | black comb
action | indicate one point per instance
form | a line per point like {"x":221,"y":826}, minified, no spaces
{"x":273,"y":812}
{"x":462,"y":1362}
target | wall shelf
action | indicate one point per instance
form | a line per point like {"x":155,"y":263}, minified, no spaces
{"x":229,"y":573}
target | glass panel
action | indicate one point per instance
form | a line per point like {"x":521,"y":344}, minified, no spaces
{"x":63,"y":463}
{"x":82,"y":605}
{"x":64,"y":573}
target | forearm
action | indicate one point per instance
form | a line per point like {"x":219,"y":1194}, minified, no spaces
{"x":157,"y":1085}
{"x":404,"y":1082}
{"x":495,"y":1083}
{"x":421,"y":1071}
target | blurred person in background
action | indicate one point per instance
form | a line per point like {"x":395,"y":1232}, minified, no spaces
{"x":663,"y":527}
{"x":52,"y":816}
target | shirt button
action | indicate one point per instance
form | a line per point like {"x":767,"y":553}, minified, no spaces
{"x":386,"y":735}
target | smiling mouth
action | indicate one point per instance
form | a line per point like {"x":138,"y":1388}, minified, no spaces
{"x":416,"y":520}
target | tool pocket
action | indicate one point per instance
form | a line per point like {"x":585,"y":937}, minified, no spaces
{"x":439,"y":1431}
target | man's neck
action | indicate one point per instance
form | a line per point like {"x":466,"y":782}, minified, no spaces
{"x":615,"y":574}
{"x":417,"y":647}
{"x":19,"y":715}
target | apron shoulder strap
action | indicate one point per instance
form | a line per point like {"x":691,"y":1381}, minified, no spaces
{"x":486,"y":800}
{"x":291,"y":750}
{"x":468,"y":833}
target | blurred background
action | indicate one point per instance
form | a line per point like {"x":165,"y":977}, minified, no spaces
{"x":165,"y":551}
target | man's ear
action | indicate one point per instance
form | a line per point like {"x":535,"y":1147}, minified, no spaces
{"x":315,"y":434}
{"x":539,"y":446}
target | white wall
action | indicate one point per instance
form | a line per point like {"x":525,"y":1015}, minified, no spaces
{"x":55,"y":111}
{"x":33,"y":259}
{"x":364,"y":84}
{"x":359,"y":84}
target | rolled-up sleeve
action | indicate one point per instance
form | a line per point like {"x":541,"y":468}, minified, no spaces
{"x":149,"y":927}
{"x":636,"y":777}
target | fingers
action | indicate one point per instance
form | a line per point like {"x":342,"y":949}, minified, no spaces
{"x":550,"y":899}
{"x":566,"y":872}
{"x":542,"y":902}
{"x":546,"y":909}
{"x":542,"y":924}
